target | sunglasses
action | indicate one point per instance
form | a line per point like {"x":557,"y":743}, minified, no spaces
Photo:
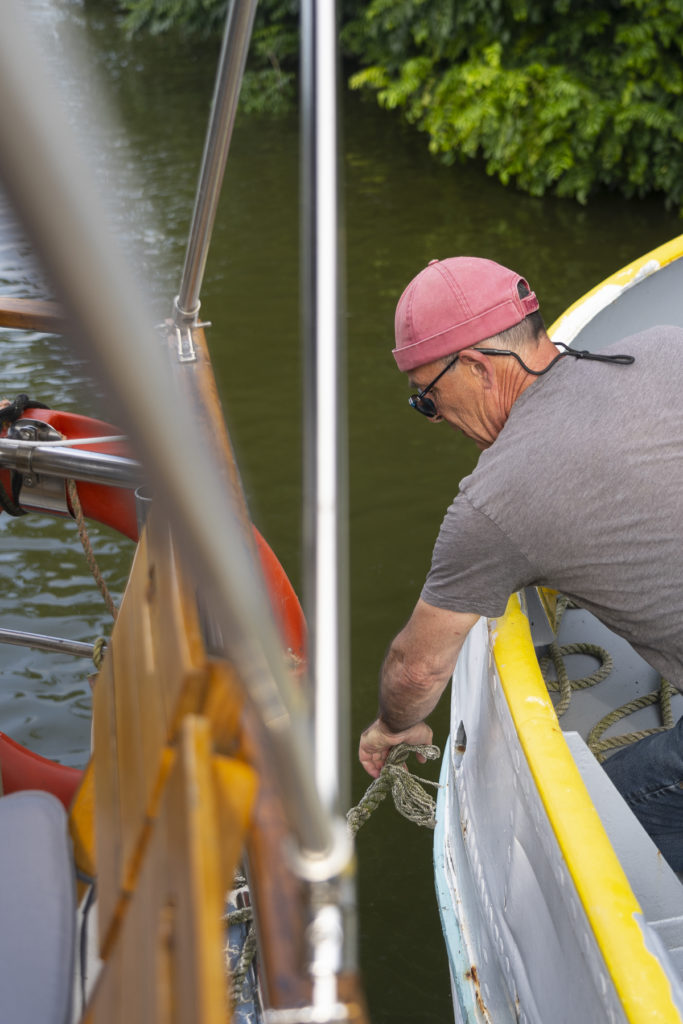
{"x":426,"y":405}
{"x":428,"y":408}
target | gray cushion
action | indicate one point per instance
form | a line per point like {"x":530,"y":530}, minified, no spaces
{"x":37,"y":910}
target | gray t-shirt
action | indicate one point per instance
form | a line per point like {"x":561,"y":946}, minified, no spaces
{"x":582,"y":491}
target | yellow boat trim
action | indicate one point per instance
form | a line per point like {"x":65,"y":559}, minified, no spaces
{"x":609,"y":902}
{"x":662,"y":255}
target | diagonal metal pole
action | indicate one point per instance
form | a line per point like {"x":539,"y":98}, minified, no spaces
{"x":231,"y":64}
{"x":54,"y":195}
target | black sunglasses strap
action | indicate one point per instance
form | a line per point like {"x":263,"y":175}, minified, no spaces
{"x":582,"y":353}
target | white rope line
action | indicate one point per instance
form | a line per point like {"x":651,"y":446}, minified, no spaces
{"x":73,"y":441}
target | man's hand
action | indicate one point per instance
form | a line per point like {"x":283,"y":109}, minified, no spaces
{"x":377,"y":741}
{"x":416,"y":671}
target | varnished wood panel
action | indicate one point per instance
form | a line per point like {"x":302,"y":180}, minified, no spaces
{"x":31,"y":315}
{"x":166,"y":962}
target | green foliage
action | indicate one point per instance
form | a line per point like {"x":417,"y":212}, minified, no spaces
{"x":563,"y":95}
{"x":196,"y":17}
{"x":566,"y":95}
{"x":270,"y":79}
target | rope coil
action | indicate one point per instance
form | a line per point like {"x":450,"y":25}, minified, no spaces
{"x":566,"y":687}
{"x":410,"y":798}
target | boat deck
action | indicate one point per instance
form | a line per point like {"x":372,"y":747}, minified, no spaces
{"x":657,"y":888}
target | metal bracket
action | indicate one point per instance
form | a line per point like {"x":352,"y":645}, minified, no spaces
{"x":186,"y":351}
{"x":39,"y":492}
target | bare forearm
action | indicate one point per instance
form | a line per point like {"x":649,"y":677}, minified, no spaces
{"x":404,"y":700}
{"x":415,"y":673}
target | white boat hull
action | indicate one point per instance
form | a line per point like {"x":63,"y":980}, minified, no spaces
{"x":555,"y":904}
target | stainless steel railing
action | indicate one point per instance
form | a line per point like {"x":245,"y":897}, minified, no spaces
{"x":60,"y":209}
{"x":233,"y":57}
{"x":55,"y":460}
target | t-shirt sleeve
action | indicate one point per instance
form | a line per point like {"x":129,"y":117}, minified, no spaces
{"x":475,"y":566}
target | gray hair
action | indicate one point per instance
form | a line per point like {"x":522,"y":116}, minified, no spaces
{"x":522,"y":336}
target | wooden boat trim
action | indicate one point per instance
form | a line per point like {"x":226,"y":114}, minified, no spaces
{"x":31,"y":315}
{"x":607,"y":898}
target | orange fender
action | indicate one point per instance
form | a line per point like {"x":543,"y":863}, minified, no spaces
{"x":22,"y":769}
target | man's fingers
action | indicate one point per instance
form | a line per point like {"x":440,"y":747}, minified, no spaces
{"x":372,"y":766}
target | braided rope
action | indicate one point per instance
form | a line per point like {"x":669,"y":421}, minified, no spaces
{"x":410,"y":798}
{"x":566,"y":686}
{"x":87,"y":548}
{"x":247,"y":955}
{"x":99,"y":649}
{"x":240,"y":915}
{"x":601,"y":747}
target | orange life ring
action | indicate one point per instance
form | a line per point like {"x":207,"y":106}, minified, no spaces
{"x":23,"y":769}
{"x":112,"y":506}
{"x":284,"y":602}
{"x":115,"y":506}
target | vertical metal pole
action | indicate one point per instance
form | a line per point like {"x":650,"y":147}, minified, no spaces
{"x":233,"y":57}
{"x":325,"y":517}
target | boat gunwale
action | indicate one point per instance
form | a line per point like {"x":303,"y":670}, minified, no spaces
{"x":605,"y":892}
{"x":572,"y":321}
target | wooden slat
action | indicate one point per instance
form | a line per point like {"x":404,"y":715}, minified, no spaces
{"x":276,"y":894}
{"x":31,"y":315}
{"x":104,"y":1006}
{"x":154,"y":672}
{"x":139,"y":940}
{"x":108,"y":837}
{"x":199,"y":381}
{"x":154,"y":726}
{"x":179,"y":652}
{"x":133,"y":786}
{"x":196,"y":876}
{"x":128,"y":989}
{"x":166,"y":962}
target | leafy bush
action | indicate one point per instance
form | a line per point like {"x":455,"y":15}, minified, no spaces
{"x":270,"y":80}
{"x":567,"y":95}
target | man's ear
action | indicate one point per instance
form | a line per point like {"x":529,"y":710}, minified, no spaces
{"x":480,"y":366}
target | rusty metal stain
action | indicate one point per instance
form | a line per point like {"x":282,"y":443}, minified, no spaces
{"x":473,"y":975}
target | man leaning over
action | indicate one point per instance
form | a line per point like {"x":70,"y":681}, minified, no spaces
{"x":579,"y":487}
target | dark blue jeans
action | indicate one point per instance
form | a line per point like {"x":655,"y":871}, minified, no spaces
{"x":649,"y":776}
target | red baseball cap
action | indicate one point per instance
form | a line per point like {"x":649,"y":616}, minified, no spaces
{"x":453,"y":304}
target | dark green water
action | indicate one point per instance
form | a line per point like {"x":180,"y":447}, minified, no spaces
{"x":401,"y":209}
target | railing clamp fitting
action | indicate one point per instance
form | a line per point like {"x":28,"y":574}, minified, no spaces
{"x":184,"y":323}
